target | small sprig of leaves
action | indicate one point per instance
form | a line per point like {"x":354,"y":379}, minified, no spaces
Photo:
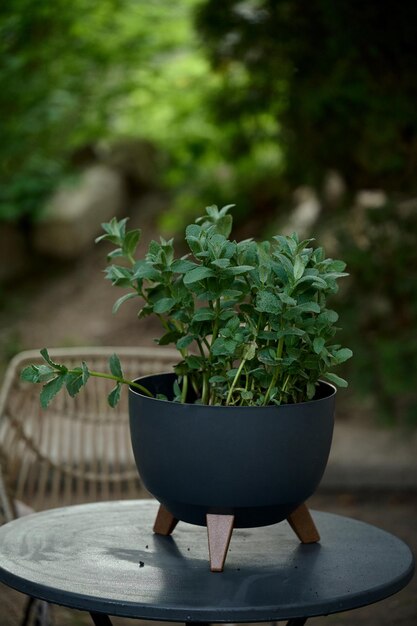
{"x":249,"y":320}
{"x":56,"y":376}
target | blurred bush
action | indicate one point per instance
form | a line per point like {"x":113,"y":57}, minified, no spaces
{"x":337,"y":84}
{"x":339,"y":78}
{"x":379,"y":306}
{"x":77,"y":76}
{"x":264,"y":96}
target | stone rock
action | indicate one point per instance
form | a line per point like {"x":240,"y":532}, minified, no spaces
{"x":305,"y":214}
{"x":136,"y":159}
{"x":73,"y":215}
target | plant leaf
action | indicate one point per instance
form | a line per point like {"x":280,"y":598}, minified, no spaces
{"x":115,"y":367}
{"x":203,"y":315}
{"x":51,"y":389}
{"x":334,"y":378}
{"x":163,"y":305}
{"x":37,"y":373}
{"x":198,"y":273}
{"x":318,"y":344}
{"x":182,"y":266}
{"x":184,"y":342}
{"x":267,"y":302}
{"x":343,"y":355}
{"x":74,"y":381}
{"x":120,"y":301}
{"x":130,"y":242}
{"x":298,"y":268}
{"x":45,"y":355}
{"x":114,"y":396}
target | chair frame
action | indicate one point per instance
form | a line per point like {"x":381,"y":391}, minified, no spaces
{"x":21,"y":420}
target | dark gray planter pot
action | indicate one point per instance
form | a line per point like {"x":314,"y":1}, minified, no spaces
{"x":258,"y":464}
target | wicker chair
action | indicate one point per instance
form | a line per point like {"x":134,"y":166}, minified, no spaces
{"x":78,"y":450}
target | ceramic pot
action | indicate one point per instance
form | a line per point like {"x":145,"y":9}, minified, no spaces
{"x":256,"y":463}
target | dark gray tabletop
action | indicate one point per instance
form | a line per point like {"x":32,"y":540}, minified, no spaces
{"x":104,"y":558}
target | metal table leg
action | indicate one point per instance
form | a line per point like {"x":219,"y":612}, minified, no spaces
{"x":100,"y":619}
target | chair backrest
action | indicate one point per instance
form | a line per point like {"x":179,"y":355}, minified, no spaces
{"x":78,"y":449}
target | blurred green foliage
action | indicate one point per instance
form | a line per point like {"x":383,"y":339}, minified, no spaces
{"x":76,"y":73}
{"x":380,"y":305}
{"x":340,"y":78}
{"x":263,"y":96}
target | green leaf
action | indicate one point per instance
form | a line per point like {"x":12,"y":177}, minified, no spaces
{"x":169,"y":337}
{"x":217,"y":380}
{"x":118,"y":275}
{"x":249,"y":352}
{"x":203,"y":315}
{"x":37,"y":373}
{"x":232,"y":293}
{"x":267,"y":356}
{"x":221,"y":263}
{"x":328,"y":316}
{"x":308,"y":307}
{"x":286,"y":264}
{"x":223,"y":225}
{"x":86,"y":373}
{"x":51,"y":389}
{"x":267,"y":302}
{"x":286,"y":299}
{"x":115,"y":231}
{"x":198,"y":273}
{"x":114,"y":396}
{"x":45,"y":355}
{"x":130,"y":242}
{"x":193,"y":362}
{"x":177,"y":390}
{"x":163,"y":305}
{"x":193,"y":230}
{"x":316,"y":281}
{"x":144,"y":269}
{"x":74,"y":381}
{"x":311,"y":390}
{"x":340,"y":382}
{"x":239,"y":269}
{"x":120,"y":301}
{"x":343,"y":355}
{"x":223,"y":347}
{"x":297,"y":332}
{"x":298,"y":268}
{"x":181,"y":266}
{"x":184,"y":342}
{"x":318,"y":344}
{"x":115,"y":367}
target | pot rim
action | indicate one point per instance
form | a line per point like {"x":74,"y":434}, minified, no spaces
{"x":274,"y":407}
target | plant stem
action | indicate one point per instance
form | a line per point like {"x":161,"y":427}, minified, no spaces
{"x":206,"y":389}
{"x":277,"y":370}
{"x":184,"y":388}
{"x":123,"y":381}
{"x":234,"y":383}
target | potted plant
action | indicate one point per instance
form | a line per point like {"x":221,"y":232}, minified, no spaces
{"x":239,"y":434}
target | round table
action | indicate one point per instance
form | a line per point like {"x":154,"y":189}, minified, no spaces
{"x":104,"y":558}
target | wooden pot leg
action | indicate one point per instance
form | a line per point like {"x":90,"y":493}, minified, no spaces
{"x":165,"y":522}
{"x":219,"y":531}
{"x":303,"y":525}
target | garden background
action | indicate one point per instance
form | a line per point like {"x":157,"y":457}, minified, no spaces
{"x":302,"y":114}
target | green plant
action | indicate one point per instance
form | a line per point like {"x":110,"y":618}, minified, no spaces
{"x":249,"y":319}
